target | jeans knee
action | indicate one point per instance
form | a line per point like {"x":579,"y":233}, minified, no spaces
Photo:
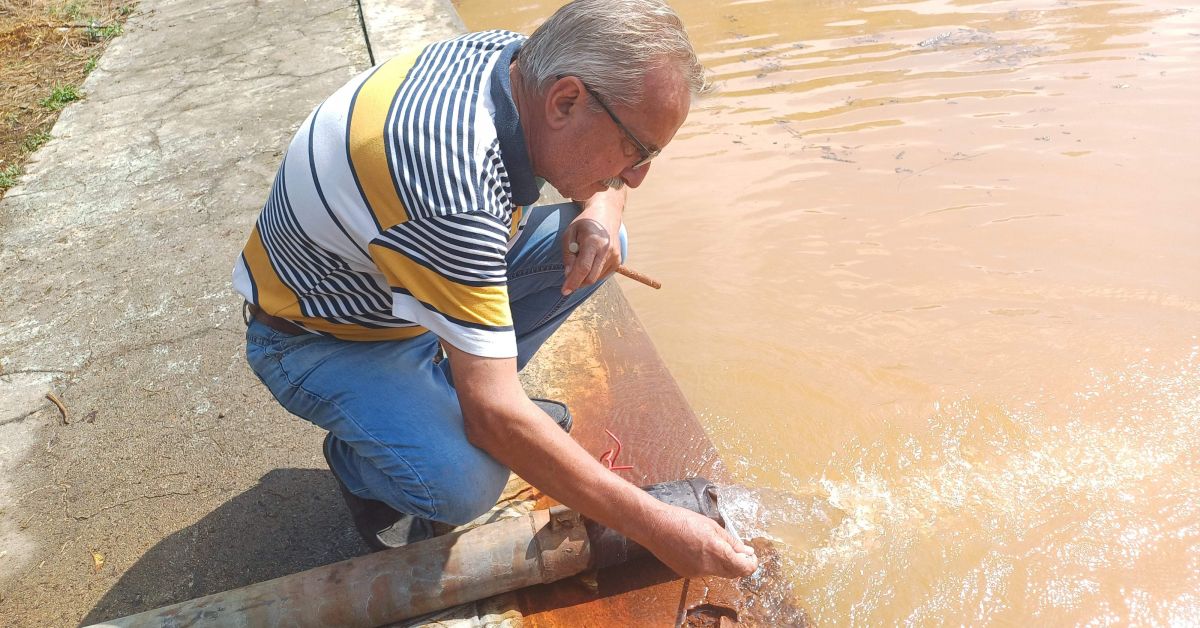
{"x":463,"y":495}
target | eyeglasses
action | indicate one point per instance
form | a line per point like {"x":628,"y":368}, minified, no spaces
{"x":645,"y":154}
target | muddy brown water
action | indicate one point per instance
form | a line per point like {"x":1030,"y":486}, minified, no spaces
{"x":932,"y":279}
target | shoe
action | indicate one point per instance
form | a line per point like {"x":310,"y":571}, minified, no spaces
{"x":381,"y":526}
{"x":557,"y":411}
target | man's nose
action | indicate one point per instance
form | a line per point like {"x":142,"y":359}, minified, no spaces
{"x":633,"y":176}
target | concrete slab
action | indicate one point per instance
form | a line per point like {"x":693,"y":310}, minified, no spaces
{"x":393,"y":26}
{"x":177,"y":475}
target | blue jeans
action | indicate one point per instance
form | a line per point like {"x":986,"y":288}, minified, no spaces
{"x":397,"y":427}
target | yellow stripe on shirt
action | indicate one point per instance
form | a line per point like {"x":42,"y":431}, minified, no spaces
{"x":274,"y":297}
{"x":368,"y":127}
{"x":277,"y":299}
{"x":485,"y":306}
{"x":514,"y":226}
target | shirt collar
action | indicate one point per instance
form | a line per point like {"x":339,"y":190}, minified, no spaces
{"x":513,"y":151}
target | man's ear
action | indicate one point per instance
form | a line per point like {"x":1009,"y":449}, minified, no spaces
{"x":564,"y":99}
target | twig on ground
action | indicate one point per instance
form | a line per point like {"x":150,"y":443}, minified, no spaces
{"x":61,"y":408}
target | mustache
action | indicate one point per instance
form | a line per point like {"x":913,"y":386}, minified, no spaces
{"x":614,"y":183}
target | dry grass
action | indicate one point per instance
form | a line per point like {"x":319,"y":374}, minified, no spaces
{"x":46,"y":48}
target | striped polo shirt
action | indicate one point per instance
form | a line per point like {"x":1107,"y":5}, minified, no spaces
{"x":397,"y":201}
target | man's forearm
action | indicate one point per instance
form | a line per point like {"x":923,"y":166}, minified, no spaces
{"x":546,"y":457}
{"x":501,"y":420}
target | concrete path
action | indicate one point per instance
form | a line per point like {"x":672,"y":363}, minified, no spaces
{"x":174,"y":475}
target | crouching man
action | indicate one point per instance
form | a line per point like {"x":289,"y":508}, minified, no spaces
{"x":399,"y":275}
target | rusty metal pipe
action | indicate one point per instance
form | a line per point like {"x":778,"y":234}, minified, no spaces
{"x":385,"y":587}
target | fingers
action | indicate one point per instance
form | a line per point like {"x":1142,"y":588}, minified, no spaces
{"x":732,"y":557}
{"x":580,"y":269}
{"x":585,"y":255}
{"x":741,"y":559}
{"x":742,"y":565}
{"x":694,"y":545}
{"x":725,"y":561}
{"x":733,"y":541}
{"x":738,"y":545}
{"x":597,"y":270}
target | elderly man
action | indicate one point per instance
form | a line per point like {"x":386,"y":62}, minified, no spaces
{"x":399,"y":232}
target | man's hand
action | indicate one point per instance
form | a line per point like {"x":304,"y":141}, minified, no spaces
{"x":591,"y":244}
{"x":501,"y":420}
{"x":589,"y":253}
{"x":693,"y":545}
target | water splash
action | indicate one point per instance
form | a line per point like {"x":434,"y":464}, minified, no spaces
{"x":1084,"y":510}
{"x":776,"y":524}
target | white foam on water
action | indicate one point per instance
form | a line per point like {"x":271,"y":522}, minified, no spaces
{"x":1001,"y":514}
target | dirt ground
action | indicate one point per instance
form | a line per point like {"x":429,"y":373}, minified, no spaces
{"x":47,"y":47}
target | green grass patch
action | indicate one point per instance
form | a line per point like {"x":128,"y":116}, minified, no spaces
{"x":35,"y":141}
{"x":60,"y":96}
{"x":9,"y":175}
{"x":96,"y":32}
{"x":91,"y":64}
{"x":71,"y":10}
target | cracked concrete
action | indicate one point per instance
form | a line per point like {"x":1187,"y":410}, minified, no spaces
{"x":176,"y":474}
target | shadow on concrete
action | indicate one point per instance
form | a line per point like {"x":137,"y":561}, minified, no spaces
{"x":292,"y":520}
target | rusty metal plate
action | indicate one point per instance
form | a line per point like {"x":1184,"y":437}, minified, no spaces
{"x":618,"y":382}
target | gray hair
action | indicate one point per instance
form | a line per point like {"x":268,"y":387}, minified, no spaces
{"x":610,"y":45}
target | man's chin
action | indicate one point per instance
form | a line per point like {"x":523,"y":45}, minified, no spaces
{"x":604,"y":186}
{"x":582,"y":193}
